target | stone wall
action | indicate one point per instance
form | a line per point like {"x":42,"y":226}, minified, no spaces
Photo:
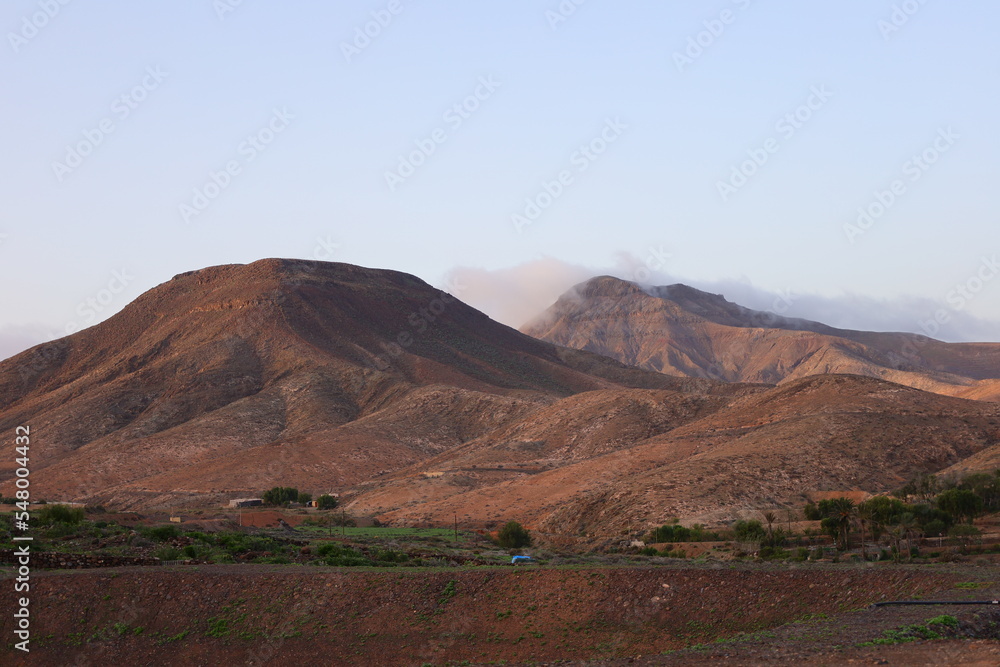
{"x":55,"y":560}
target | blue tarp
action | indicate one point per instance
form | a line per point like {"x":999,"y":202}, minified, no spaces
{"x":522,"y":559}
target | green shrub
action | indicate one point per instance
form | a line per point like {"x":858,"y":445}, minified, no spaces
{"x":749,"y":531}
{"x":963,"y":530}
{"x":935,"y":528}
{"x":198,"y":535}
{"x":390,"y":556}
{"x":167,"y":553}
{"x":514,"y":536}
{"x":326,"y":502}
{"x":280,"y":495}
{"x":53,"y":514}
{"x":672,"y":533}
{"x":162,"y":533}
{"x":962,"y":503}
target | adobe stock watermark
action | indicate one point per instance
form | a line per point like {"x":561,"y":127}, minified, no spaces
{"x":420,"y":322}
{"x":365,"y":34}
{"x":246,"y":152}
{"x":912,"y":171}
{"x":580,"y":161}
{"x":963,"y":293}
{"x":703,"y":40}
{"x":900,"y":16}
{"x":957,"y":298}
{"x":562,"y":12}
{"x":224,"y":8}
{"x":656,"y":260}
{"x":787,"y":126}
{"x":324,"y":250}
{"x":454,"y":118}
{"x":121,"y":108}
{"x":33,"y":24}
{"x":93,"y":306}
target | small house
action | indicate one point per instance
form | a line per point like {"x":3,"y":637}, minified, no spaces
{"x":246,"y":502}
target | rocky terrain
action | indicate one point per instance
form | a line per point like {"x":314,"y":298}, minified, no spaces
{"x":777,"y":447}
{"x":419,"y":409}
{"x":225,"y":381}
{"x":681,"y":331}
{"x":264,"y":615}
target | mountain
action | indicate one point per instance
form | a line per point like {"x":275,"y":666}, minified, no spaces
{"x":231,"y":379}
{"x":681,"y":331}
{"x":586,"y":470}
{"x":223,"y":382}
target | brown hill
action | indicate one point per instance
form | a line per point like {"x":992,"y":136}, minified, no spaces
{"x":681,"y":331}
{"x":331,"y":377}
{"x":763,"y":449}
{"x":225,"y":381}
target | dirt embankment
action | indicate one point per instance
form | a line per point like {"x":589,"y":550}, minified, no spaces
{"x":260,"y":615}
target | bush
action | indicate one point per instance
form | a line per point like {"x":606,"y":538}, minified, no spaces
{"x":334,"y":554}
{"x":391,"y":556}
{"x":935,"y":528}
{"x":304,"y":497}
{"x":671,"y":533}
{"x":963,"y":530}
{"x":167,"y":553}
{"x":514,"y":536}
{"x":326,"y":502}
{"x":280,"y":495}
{"x":773,"y":553}
{"x":51,"y":514}
{"x":749,"y":531}
{"x":961,"y":503}
{"x":162,"y":533}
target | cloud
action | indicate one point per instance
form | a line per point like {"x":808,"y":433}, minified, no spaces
{"x":521,"y":293}
{"x":515,"y":295}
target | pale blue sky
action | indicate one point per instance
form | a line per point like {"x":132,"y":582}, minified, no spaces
{"x":681,"y":130}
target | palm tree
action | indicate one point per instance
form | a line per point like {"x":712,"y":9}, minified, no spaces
{"x":895,"y":533}
{"x":864,"y":516}
{"x":842,"y":513}
{"x":770,"y":518}
{"x":909,"y":527}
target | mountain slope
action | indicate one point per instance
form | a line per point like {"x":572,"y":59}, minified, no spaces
{"x":763,"y":449}
{"x":681,"y":331}
{"x":233,"y":378}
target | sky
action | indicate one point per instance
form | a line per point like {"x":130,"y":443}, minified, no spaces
{"x":836,"y":161}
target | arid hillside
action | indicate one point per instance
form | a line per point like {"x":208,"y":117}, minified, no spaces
{"x":231,"y":379}
{"x":681,"y":331}
{"x":706,"y":462}
{"x":416,"y":408}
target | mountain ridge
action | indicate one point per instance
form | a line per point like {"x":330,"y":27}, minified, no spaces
{"x":682,"y":331}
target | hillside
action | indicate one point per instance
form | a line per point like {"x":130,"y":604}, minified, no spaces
{"x":681,"y":331}
{"x":416,"y":407}
{"x":227,"y":380}
{"x":767,"y":448}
